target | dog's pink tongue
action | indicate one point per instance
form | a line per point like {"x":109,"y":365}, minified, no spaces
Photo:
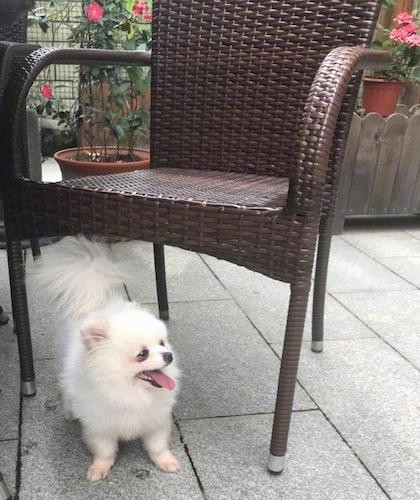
{"x":163,"y":380}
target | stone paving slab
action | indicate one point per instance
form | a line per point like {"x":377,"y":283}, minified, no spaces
{"x":371,"y":394}
{"x":54,"y":460}
{"x":8,"y":459}
{"x":265,"y":302}
{"x":188,"y":279}
{"x":395,"y":316}
{"x":367,"y":390}
{"x":379,"y":244}
{"x":230,"y":457}
{"x":414,"y":232}
{"x":42,"y":314}
{"x":5,"y":300}
{"x":42,"y":320}
{"x":228,"y":369}
{"x":9,"y":383}
{"x":406,"y":267}
{"x":351,"y":270}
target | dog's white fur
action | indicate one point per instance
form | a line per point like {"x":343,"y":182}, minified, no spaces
{"x":97,"y":346}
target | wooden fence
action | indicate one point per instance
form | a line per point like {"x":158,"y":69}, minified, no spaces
{"x":381,"y":169}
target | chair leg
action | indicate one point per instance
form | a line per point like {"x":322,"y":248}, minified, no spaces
{"x":4,"y":492}
{"x":36,"y":249}
{"x":288,"y":373}
{"x":320,"y":283}
{"x":162,"y":293}
{"x":21,"y":316}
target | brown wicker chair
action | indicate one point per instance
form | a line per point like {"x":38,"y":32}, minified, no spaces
{"x":251,"y":102}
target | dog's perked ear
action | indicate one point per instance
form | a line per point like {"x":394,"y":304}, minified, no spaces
{"x":93,"y":332}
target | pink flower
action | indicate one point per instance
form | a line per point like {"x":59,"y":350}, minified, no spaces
{"x":404,"y":18}
{"x":140,"y":7}
{"x":94,"y":12}
{"x":401,"y":34}
{"x":46,"y":91}
{"x":147,"y":16}
{"x":413,"y":40}
{"x":410,"y":27}
{"x":398,"y":35}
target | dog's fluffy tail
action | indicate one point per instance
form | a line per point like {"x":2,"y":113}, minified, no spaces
{"x":78,"y":275}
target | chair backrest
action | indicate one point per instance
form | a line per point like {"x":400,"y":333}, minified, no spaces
{"x":15,"y":32}
{"x":230,"y":77}
{"x":9,"y":34}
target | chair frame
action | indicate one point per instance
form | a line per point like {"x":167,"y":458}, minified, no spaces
{"x":311,"y":202}
{"x":8,"y":52}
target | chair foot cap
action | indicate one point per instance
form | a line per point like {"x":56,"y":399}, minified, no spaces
{"x":164,"y":315}
{"x":317,"y":345}
{"x":275,"y":464}
{"x":28,"y":388}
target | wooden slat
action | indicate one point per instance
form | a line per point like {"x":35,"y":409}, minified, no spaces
{"x":387,"y":15}
{"x":388,"y":160}
{"x":403,"y":109}
{"x":371,"y":130}
{"x":411,"y":94}
{"x":408,"y":168}
{"x":403,"y":6}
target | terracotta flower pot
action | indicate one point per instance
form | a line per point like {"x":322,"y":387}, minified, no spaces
{"x":71,"y":167}
{"x":381,"y":96}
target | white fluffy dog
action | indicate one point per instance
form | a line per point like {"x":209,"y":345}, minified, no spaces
{"x":116,"y":367}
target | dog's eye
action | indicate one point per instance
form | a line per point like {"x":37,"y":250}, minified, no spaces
{"x":162,"y":343}
{"x":141,"y":356}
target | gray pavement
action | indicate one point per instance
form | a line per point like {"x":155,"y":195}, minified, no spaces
{"x":355,"y":430}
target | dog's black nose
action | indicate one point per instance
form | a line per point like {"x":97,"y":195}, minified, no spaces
{"x":167,"y":357}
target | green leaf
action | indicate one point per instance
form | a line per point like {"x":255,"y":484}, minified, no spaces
{"x":146,"y":81}
{"x":117,"y":130}
{"x":129,"y":4}
{"x":129,"y":44}
{"x":415,"y":75}
{"x":388,"y":3}
{"x":136,"y":76}
{"x":141,"y":78}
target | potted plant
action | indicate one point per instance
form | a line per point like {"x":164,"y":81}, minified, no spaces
{"x":109,"y":117}
{"x":382,"y":90}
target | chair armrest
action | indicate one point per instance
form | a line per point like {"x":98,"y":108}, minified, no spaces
{"x":8,"y":52}
{"x":24,"y":75}
{"x":319,"y":120}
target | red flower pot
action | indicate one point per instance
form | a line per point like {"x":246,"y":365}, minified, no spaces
{"x":381,"y":96}
{"x":72,"y":167}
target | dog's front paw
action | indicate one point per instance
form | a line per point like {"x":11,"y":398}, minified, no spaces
{"x":97,"y":472}
{"x":166,"y":462}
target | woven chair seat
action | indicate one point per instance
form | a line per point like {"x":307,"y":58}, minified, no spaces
{"x":193,"y":186}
